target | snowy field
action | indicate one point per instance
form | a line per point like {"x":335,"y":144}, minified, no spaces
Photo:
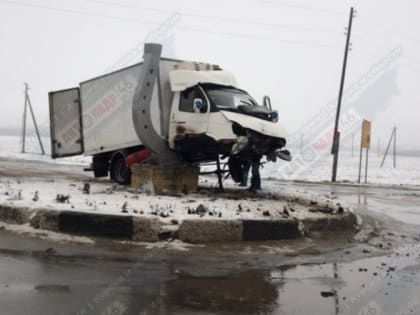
{"x":11,"y":147}
{"x":407,"y":171}
{"x":312,"y":168}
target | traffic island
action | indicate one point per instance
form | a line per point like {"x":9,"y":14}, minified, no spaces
{"x":147,"y":229}
{"x":118,"y":212}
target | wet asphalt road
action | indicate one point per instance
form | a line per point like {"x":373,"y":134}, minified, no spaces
{"x":313,"y":277}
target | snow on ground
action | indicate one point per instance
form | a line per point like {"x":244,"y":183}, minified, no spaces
{"x":407,"y":171}
{"x":26,"y":229}
{"x":11,"y":147}
{"x":176,"y":245}
{"x":107,"y":198}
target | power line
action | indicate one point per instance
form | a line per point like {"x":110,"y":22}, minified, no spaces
{"x":387,"y":31}
{"x":300,"y":7}
{"x":182,"y":27}
{"x":295,"y":42}
{"x":369,"y":42}
{"x":382,"y":46}
{"x":219,"y":18}
{"x":410,"y":66}
{"x":77,"y":12}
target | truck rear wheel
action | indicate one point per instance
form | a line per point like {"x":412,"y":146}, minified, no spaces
{"x":120,"y":172}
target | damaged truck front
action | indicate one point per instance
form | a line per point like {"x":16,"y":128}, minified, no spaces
{"x":178,"y":111}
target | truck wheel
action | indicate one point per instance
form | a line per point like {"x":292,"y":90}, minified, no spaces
{"x":235,"y":169}
{"x":100,"y":166}
{"x":120,"y":172}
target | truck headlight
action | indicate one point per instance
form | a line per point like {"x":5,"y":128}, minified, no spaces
{"x":274,"y":116}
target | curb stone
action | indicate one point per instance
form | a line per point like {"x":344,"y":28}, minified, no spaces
{"x":344,"y":222}
{"x":270,"y":230}
{"x":92,"y":224}
{"x":196,"y":231}
{"x":145,"y":229}
{"x":45,"y":219}
{"x":16,"y":215}
{"x":190,"y":230}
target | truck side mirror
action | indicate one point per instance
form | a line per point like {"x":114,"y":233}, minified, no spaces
{"x":199,"y":106}
{"x":267,"y":102}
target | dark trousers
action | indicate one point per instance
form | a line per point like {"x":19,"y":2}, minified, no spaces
{"x":245,"y":171}
{"x":256,"y":178}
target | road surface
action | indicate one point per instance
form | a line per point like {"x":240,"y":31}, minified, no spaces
{"x":376,"y":276}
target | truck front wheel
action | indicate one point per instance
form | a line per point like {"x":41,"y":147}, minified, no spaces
{"x":100,"y":165}
{"x":120,"y":172}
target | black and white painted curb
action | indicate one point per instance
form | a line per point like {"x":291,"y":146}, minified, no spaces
{"x":149,"y":229}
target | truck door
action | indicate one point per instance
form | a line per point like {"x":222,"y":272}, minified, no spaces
{"x":190,"y":114}
{"x":65,"y":123}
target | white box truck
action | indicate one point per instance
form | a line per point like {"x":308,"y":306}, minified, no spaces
{"x":180,"y":111}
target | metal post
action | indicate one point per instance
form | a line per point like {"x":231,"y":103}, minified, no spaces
{"x":360,"y":159}
{"x":335,"y":146}
{"x":352,"y":144}
{"x":366,"y":166}
{"x":24,"y":118}
{"x":219,"y":175}
{"x":387,"y":147}
{"x":36,"y":125}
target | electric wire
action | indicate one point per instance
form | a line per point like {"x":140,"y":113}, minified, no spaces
{"x":219,"y":18}
{"x":389,"y":31}
{"x":182,"y":27}
{"x":300,"y":7}
{"x":409,"y":66}
{"x":383,"y":46}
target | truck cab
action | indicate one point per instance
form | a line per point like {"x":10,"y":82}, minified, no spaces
{"x":210,"y":116}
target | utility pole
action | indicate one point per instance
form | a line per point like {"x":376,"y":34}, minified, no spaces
{"x":395,"y":147}
{"x":26,"y":105}
{"x":336,"y":138}
{"x":393,"y":138}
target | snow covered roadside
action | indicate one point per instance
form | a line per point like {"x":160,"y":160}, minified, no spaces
{"x":105,"y":209}
{"x":407,"y":171}
{"x":27,"y":230}
{"x":112,"y":199}
{"x":10,"y":147}
{"x":81,"y":204}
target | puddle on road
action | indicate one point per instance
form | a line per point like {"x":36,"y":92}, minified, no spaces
{"x":380,"y":285}
{"x":349,"y":281}
{"x":249,"y":292}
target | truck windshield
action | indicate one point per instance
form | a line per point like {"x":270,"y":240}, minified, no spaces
{"x":228,"y":98}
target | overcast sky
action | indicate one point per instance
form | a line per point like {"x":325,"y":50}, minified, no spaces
{"x":291,"y":50}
